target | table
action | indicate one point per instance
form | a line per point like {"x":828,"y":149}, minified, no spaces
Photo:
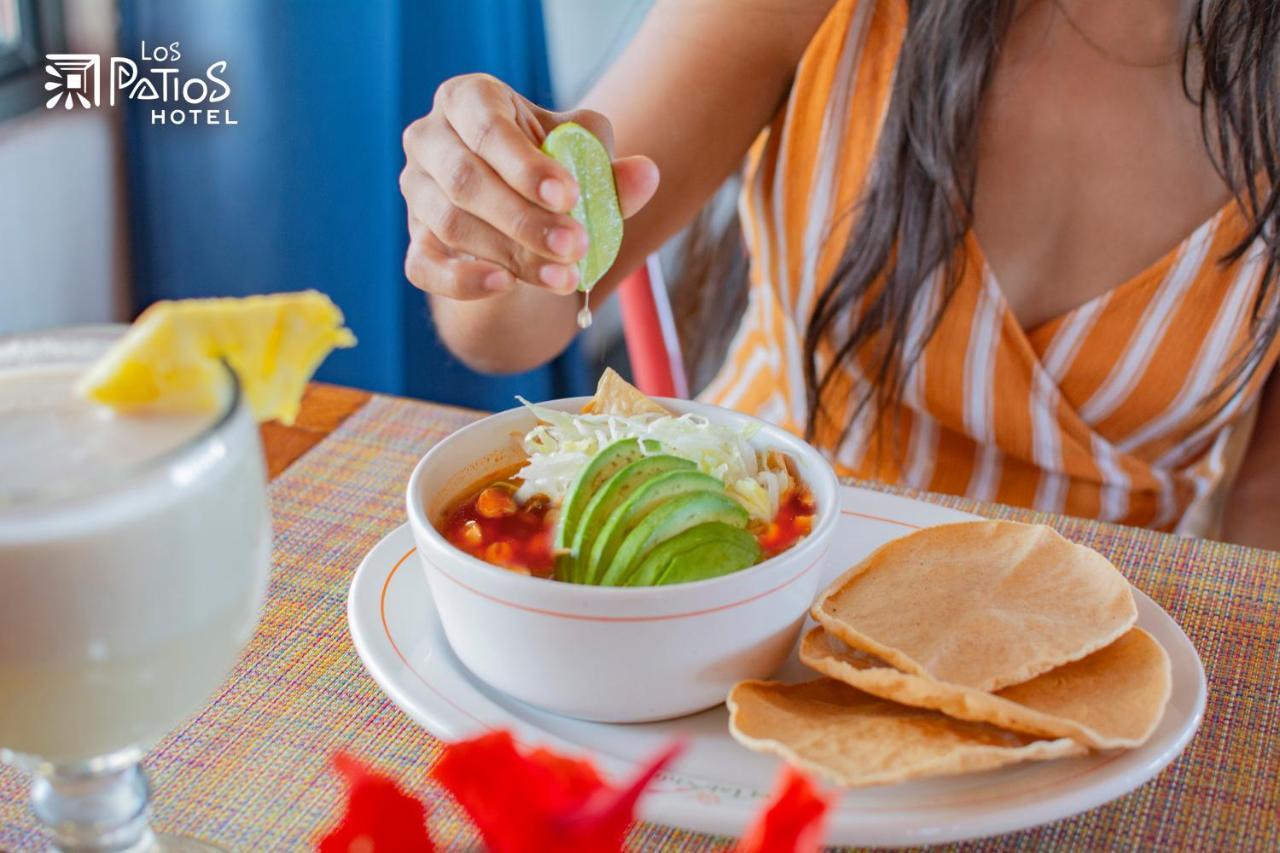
{"x":251,"y":771}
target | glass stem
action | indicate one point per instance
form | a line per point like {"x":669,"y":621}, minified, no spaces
{"x":101,"y":806}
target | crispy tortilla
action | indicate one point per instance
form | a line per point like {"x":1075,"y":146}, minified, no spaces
{"x":617,"y":396}
{"x":1112,"y":698}
{"x":855,"y":739}
{"x":981,"y":604}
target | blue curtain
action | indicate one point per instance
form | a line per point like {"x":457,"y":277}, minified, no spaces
{"x":302,"y":190}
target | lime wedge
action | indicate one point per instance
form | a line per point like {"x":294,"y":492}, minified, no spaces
{"x":578,"y":150}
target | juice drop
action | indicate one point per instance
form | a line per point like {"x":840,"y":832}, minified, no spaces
{"x":584,"y":314}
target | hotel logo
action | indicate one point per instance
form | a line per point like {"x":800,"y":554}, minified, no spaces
{"x":76,"y":82}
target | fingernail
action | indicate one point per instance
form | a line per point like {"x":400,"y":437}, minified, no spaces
{"x":564,"y":242}
{"x":557,"y":276}
{"x":553,"y":193}
{"x":572,"y":284}
{"x":497,"y":280}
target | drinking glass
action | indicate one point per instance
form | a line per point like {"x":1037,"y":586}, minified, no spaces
{"x":127,"y":588}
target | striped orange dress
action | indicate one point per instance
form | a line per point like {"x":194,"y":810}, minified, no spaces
{"x":1100,"y":412}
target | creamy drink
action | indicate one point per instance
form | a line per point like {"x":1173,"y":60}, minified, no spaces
{"x":134,"y":552}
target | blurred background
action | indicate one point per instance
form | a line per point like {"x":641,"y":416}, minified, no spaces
{"x":103,"y":211}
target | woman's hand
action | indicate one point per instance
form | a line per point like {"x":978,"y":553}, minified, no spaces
{"x":487,"y":208}
{"x":691,"y":91}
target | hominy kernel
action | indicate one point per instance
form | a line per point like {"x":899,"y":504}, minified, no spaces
{"x":498,"y":553}
{"x":495,"y":503}
{"x":471,"y":533}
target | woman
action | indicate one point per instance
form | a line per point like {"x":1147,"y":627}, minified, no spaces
{"x":1022,"y":250}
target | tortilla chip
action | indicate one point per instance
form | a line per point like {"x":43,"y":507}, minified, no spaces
{"x":855,"y":739}
{"x":1113,"y":698}
{"x":617,"y":396}
{"x":981,"y":604}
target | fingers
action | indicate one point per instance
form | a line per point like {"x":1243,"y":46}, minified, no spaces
{"x":431,"y":267}
{"x":483,"y":114}
{"x":469,"y":183}
{"x":486,"y":207}
{"x":464,"y":233}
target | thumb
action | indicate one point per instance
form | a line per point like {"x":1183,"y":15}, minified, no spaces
{"x":637,"y":180}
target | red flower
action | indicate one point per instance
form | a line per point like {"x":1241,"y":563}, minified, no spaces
{"x":794,"y":820}
{"x":380,"y":817}
{"x":538,"y":801}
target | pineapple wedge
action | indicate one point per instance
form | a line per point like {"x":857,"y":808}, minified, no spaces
{"x":169,"y":359}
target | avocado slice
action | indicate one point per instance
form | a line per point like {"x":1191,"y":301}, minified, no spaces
{"x":610,"y":496}
{"x":628,"y":514}
{"x":705,"y":551}
{"x":608,"y":461}
{"x":672,"y":517}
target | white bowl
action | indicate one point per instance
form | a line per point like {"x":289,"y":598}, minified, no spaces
{"x":612,"y":654}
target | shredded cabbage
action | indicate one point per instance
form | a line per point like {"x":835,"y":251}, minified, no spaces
{"x":560,"y":446}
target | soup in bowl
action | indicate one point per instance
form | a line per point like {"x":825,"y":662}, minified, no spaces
{"x":627,"y":564}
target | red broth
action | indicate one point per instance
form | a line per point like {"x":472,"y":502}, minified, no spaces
{"x":492,"y":525}
{"x":792,"y":523}
{"x":502,"y":532}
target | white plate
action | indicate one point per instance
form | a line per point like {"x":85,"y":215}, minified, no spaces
{"x":717,"y":786}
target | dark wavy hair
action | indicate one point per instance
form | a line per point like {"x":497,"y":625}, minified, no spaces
{"x":918,"y":204}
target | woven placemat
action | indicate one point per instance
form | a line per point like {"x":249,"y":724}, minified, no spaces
{"x":251,"y":772}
